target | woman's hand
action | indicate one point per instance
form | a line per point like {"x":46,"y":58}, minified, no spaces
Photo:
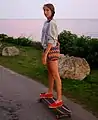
{"x":44,"y":55}
{"x":44,"y":59}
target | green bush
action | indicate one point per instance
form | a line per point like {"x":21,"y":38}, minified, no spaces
{"x":82,"y":46}
{"x":70,"y":44}
{"x":22,"y":41}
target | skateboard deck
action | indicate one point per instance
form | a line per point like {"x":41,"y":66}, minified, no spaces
{"x":61,"y":112}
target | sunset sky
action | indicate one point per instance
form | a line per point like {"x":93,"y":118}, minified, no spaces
{"x":32,"y":9}
{"x":25,"y":17}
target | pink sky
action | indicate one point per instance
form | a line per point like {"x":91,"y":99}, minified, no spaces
{"x":33,"y":27}
{"x":19,"y":27}
{"x":14,"y":15}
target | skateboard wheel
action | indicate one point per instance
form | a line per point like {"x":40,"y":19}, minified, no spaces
{"x":40,"y":100}
{"x":57,"y":117}
{"x":69,"y":115}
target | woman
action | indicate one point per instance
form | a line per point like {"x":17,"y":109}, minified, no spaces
{"x":49,"y":42}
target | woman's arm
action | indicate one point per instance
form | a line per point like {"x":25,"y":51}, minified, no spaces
{"x":48,"y":48}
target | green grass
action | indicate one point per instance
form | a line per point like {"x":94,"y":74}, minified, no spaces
{"x":29,"y":63}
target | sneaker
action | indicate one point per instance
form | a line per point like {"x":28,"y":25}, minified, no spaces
{"x":56,"y":104}
{"x":46,"y":95}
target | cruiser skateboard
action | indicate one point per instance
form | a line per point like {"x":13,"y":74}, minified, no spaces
{"x":60,"y":112}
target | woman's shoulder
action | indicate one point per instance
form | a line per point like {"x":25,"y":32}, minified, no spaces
{"x":45,"y":22}
{"x":53,"y":22}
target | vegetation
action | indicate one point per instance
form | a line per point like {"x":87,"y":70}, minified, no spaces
{"x":29,"y":63}
{"x":82,"y":46}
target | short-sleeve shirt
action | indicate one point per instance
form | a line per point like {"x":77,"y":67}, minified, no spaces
{"x":49,"y":33}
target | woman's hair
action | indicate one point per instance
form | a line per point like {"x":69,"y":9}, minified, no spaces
{"x":51,"y":7}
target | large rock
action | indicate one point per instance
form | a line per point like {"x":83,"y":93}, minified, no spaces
{"x":73,"y":67}
{"x":10,"y":51}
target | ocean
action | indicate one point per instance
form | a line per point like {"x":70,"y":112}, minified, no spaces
{"x":32,"y":28}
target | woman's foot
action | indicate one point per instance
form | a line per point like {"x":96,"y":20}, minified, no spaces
{"x":56,"y":104}
{"x":46,"y":95}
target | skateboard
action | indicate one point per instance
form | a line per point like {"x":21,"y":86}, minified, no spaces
{"x":60,"y":112}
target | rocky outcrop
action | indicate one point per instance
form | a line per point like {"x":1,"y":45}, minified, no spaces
{"x":10,"y":51}
{"x":73,"y":67}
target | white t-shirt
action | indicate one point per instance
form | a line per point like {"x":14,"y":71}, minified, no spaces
{"x":49,"y":33}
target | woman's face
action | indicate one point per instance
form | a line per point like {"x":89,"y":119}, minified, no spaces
{"x":47,"y":12}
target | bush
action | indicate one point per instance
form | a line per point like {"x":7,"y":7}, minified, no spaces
{"x":82,"y":46}
{"x":22,"y":41}
{"x":70,"y":44}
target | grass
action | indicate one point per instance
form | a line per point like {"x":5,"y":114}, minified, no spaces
{"x":29,"y":63}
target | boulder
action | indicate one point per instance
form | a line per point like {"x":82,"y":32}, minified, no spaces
{"x":73,"y":67}
{"x":10,"y":51}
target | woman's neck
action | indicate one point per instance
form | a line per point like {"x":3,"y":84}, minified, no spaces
{"x":49,"y":19}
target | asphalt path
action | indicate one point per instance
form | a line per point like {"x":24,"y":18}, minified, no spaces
{"x":19,"y":100}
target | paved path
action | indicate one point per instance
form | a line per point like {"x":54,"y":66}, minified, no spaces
{"x":18,"y":100}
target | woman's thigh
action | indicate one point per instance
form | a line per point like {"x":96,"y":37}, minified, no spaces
{"x":53,"y":67}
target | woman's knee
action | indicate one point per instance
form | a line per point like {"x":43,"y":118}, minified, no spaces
{"x":50,"y":73}
{"x":55,"y":76}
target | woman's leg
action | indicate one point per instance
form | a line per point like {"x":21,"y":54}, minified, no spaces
{"x":49,"y":93}
{"x":50,"y":79}
{"x":53,"y":65}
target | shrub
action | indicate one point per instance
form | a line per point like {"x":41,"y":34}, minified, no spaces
{"x":22,"y":41}
{"x":85,"y":47}
{"x":71,"y":44}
